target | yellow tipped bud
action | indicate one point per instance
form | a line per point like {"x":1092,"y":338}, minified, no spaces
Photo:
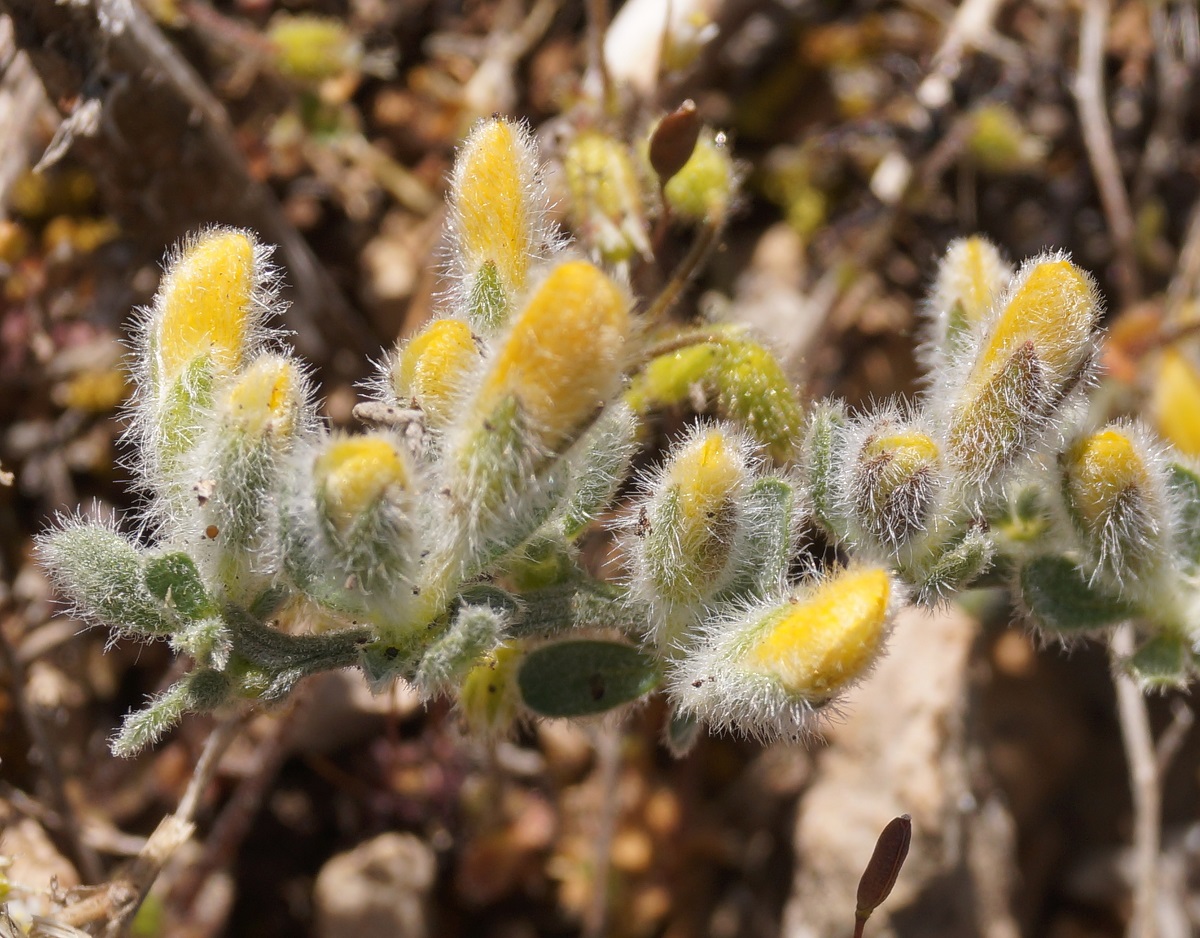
{"x":825,"y":641}
{"x":1033,"y":353}
{"x":705,"y":187}
{"x":496,"y":218}
{"x":431,"y":368}
{"x":1176,"y":402}
{"x":265,"y":400}
{"x":1054,"y":307}
{"x":693,"y":520}
{"x":561,"y":360}
{"x":770,"y":670}
{"x":893,"y":483}
{"x":606,"y":200}
{"x":970,"y":278}
{"x":206,"y":305}
{"x":1117,"y":500}
{"x":356,"y":474}
{"x":1100,"y":468}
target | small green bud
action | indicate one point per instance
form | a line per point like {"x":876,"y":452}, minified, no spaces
{"x":824,"y":457}
{"x":743,"y":378}
{"x":475,"y":631}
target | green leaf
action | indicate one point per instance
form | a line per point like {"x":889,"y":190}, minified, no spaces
{"x":174,"y":579}
{"x":1185,"y":493}
{"x":580,"y":678}
{"x":1164,"y":662}
{"x":102,"y":573}
{"x":1060,"y":599}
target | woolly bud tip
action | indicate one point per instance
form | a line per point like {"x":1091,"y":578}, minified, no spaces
{"x":561,"y":361}
{"x":606,"y":198}
{"x":493,"y":197}
{"x":1033,"y":352}
{"x":1054,"y":307}
{"x":818,"y":644}
{"x":1113,"y":499}
{"x":971,"y":275}
{"x":1176,"y":403}
{"x":892,"y":489}
{"x":206,"y":304}
{"x":355,"y":474}
{"x":265,"y":400}
{"x":430,"y":368}
{"x":683,"y":551}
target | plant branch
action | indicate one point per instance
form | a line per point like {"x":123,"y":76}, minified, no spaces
{"x":1145,"y":785}
{"x":1088,"y":89}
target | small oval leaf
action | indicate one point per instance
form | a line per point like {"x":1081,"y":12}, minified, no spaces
{"x":580,"y":678}
{"x":1059,"y":597}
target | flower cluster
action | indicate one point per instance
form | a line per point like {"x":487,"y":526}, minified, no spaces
{"x":440,"y":546}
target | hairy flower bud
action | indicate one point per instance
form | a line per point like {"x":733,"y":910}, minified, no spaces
{"x":1032,"y":351}
{"x":769,"y":670}
{"x":1116,"y":498}
{"x":497,"y":220}
{"x":684,"y":538}
{"x":891,"y":482}
{"x":971,"y":276}
{"x":432,"y":367}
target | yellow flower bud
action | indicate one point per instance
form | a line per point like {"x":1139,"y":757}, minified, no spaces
{"x":1033,"y":353}
{"x":818,"y":645}
{"x":970,"y":278}
{"x":561,"y":360}
{"x":893,"y":485}
{"x":206,"y":305}
{"x":497,"y":208}
{"x":265,"y":400}
{"x":432,"y":367}
{"x":1116,"y":500}
{"x":769,"y":671}
{"x":355,"y":474}
{"x":692,"y":518}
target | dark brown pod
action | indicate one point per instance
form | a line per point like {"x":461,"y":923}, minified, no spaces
{"x":674,"y":139}
{"x":880,"y":875}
